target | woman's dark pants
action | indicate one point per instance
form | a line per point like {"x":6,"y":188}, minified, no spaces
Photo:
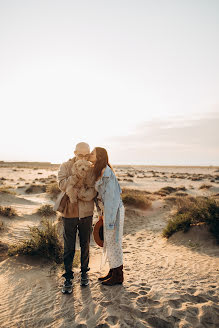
{"x":84,"y":227}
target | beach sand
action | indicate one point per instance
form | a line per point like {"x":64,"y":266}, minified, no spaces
{"x":168,"y":283}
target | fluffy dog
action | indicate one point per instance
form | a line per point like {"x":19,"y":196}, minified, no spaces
{"x":79,"y":173}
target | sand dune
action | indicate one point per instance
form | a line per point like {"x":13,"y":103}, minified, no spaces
{"x":168,"y":283}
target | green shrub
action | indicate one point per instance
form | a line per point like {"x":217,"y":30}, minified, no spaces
{"x":44,"y":241}
{"x":193,"y":211}
{"x":7,"y":211}
{"x":46,"y":210}
{"x":136,"y":198}
{"x":182,"y":222}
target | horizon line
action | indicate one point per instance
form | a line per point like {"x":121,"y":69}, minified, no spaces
{"x":117,"y":164}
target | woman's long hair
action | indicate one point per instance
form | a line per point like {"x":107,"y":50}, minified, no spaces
{"x":102,"y":160}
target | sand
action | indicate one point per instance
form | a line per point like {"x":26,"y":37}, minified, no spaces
{"x":168,"y":283}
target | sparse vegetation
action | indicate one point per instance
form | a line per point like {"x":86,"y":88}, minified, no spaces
{"x":7,"y":190}
{"x":205,"y":186}
{"x":52,"y":189}
{"x":44,"y":241}
{"x":46,"y":210}
{"x":7,"y":211}
{"x":1,"y":225}
{"x":169,"y":190}
{"x":128,"y":180}
{"x":35,"y":189}
{"x":136,"y":198}
{"x":193,"y":211}
{"x":3,"y":249}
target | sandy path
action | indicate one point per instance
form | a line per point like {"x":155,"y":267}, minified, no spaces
{"x":166,"y":285}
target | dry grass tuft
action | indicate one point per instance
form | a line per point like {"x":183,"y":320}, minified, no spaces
{"x":44,"y":241}
{"x":169,"y":190}
{"x":205,"y":186}
{"x":8,"y":211}
{"x":34,"y":189}
{"x":1,"y":225}
{"x":136,"y":198}
{"x":53,"y":190}
{"x":7,"y":190}
{"x":46,"y":210}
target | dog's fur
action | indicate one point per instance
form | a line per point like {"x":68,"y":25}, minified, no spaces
{"x":77,"y":179}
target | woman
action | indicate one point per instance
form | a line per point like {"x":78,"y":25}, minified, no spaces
{"x":113,"y":215}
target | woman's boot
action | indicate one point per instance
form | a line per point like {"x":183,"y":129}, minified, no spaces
{"x":116,"y":278}
{"x":109,"y":274}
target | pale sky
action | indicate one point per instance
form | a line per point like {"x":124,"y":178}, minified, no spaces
{"x":140,"y":78}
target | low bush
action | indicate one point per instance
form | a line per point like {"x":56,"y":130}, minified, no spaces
{"x":165,"y":191}
{"x":1,"y":225}
{"x":53,"y":190}
{"x":136,"y":198}
{"x":205,"y":186}
{"x":46,"y":210}
{"x":7,"y":190}
{"x":44,"y":241}
{"x":35,"y":189}
{"x":3,"y":249}
{"x":193,"y":211}
{"x":7,"y":211}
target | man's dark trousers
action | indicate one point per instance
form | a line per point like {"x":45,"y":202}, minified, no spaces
{"x":84,"y":227}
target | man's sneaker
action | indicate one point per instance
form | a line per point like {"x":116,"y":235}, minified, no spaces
{"x":84,"y":279}
{"x":67,"y":287}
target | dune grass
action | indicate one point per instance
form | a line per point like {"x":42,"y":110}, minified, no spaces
{"x":136,"y":198}
{"x":205,"y":186}
{"x":3,"y":249}
{"x":35,"y":189}
{"x":53,"y":190}
{"x":193,"y":211}
{"x":44,"y":241}
{"x":46,"y":210}
{"x":7,"y":190}
{"x":1,"y":225}
{"x":169,"y":190}
{"x":8,"y":211}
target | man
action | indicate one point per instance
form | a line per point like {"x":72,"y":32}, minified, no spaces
{"x":76,"y":216}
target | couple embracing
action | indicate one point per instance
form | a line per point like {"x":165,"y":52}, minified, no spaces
{"x":85,"y":180}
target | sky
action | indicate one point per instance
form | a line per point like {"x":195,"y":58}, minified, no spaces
{"x":140,"y":78}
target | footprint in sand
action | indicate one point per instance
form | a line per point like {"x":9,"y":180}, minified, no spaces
{"x":106,"y":303}
{"x":175,"y":303}
{"x":142,"y":300}
{"x":142,"y":292}
{"x":158,"y":322}
{"x":103,"y":325}
{"x":191,"y":290}
{"x":194,"y":299}
{"x":132,"y":295}
{"x":152,"y":302}
{"x":112,"y":320}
